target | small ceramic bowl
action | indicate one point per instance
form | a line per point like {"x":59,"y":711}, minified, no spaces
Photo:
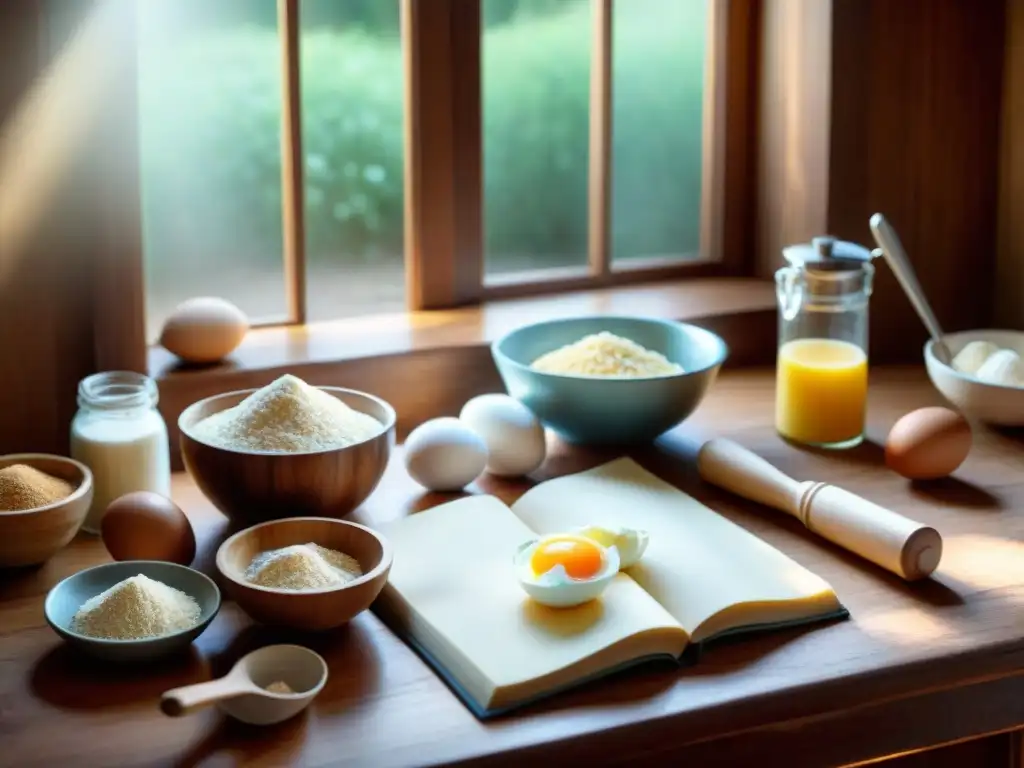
{"x":991,"y":403}
{"x":601,"y":411}
{"x":64,"y":600}
{"x":317,"y":609}
{"x":252,"y":486}
{"x":33,"y":536}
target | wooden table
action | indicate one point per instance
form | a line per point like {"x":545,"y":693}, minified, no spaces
{"x":914,"y":666}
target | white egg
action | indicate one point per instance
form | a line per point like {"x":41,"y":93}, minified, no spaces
{"x":630,"y":542}
{"x":444,"y":454}
{"x":969,"y":359}
{"x":555,"y":588}
{"x":513,"y":434}
{"x":1003,"y":367}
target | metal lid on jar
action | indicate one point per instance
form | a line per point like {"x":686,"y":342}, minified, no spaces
{"x":828,"y":253}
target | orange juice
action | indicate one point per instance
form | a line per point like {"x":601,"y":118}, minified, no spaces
{"x":821,"y":391}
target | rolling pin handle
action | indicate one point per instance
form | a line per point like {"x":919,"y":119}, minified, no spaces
{"x":730,"y":466}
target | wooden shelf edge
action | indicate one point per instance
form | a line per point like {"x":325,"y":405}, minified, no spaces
{"x":411,"y":332}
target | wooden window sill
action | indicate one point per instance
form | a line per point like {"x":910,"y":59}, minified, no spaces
{"x":428,"y":363}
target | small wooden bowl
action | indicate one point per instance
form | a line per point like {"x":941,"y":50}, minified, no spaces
{"x":33,"y":536}
{"x":252,"y":486}
{"x":313,"y":609}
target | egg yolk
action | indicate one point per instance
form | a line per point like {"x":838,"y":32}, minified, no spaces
{"x":581,"y":558}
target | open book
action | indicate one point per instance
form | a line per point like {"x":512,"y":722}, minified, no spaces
{"x":453,"y":594}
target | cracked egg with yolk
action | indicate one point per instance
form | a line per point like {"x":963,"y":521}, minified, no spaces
{"x":564,"y":570}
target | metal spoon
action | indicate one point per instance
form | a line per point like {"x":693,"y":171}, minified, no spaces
{"x":242,"y":692}
{"x":900,"y":265}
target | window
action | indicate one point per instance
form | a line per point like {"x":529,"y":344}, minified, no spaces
{"x":315,"y":159}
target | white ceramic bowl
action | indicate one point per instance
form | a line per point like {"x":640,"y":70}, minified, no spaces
{"x":990,"y":403}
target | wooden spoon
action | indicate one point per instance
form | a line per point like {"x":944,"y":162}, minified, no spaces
{"x":243,"y":694}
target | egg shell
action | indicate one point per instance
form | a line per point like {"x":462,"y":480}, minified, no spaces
{"x":928,"y":443}
{"x":630,"y":542}
{"x":204,"y":329}
{"x":444,"y":454}
{"x":512,"y":433}
{"x":147,"y":526}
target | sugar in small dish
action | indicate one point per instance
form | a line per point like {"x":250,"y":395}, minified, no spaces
{"x":302,"y":567}
{"x":136,"y":608}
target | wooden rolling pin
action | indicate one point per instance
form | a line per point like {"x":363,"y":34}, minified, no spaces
{"x":905,"y":547}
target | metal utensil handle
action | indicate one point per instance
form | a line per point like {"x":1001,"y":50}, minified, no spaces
{"x":891,"y":247}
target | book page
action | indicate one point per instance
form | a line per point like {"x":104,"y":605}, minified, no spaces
{"x":454,"y":580}
{"x":708,"y":572}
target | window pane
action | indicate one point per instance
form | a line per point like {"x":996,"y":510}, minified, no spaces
{"x":536,"y":94}
{"x":657,"y":112}
{"x":210,"y":112}
{"x":352,"y":115}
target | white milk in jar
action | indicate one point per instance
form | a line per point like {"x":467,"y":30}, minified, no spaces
{"x":119,"y":434}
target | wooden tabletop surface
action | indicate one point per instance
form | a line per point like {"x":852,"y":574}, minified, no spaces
{"x":914,"y":665}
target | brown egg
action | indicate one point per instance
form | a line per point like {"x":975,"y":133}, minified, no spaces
{"x":928,"y":443}
{"x":147,"y":526}
{"x":204,"y":329}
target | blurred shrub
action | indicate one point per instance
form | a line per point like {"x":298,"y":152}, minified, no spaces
{"x":210,"y":110}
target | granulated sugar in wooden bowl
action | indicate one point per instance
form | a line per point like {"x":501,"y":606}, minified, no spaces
{"x":43,"y":502}
{"x":305,"y":573}
{"x":287,"y":450}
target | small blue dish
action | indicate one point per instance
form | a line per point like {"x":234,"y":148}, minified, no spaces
{"x":64,"y":600}
{"x":595,"y":410}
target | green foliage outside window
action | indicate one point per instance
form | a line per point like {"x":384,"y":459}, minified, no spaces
{"x":210,"y":108}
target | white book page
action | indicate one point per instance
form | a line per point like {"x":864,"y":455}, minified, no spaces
{"x":697,"y":563}
{"x":453,"y":569}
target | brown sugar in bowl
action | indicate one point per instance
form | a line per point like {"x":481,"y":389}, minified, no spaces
{"x":310,"y":610}
{"x":253,"y":486}
{"x":33,"y":536}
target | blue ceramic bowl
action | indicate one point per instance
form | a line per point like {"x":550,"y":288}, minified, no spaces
{"x":603,"y":411}
{"x":67,"y":597}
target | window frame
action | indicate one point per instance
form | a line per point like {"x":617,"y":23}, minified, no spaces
{"x":444,"y":250}
{"x":444,"y":228}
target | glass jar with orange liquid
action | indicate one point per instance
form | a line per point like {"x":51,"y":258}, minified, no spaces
{"x":822,"y":363}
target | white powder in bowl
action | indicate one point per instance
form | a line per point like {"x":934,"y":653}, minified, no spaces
{"x":287,"y":416}
{"x":301,"y":567}
{"x":136,"y":608}
{"x":607,"y":355}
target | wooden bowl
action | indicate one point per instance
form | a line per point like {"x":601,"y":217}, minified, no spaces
{"x":313,"y":609}
{"x":33,"y":536}
{"x":254,"y":486}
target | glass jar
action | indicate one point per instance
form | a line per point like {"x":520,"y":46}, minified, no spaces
{"x":119,"y":434}
{"x":822,"y":362}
